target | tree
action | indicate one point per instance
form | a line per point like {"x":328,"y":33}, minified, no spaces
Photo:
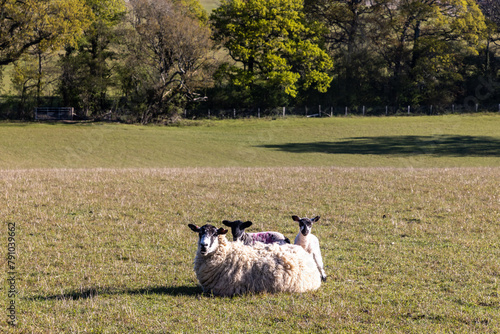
{"x":349,"y":37}
{"x":168,"y":59}
{"x":48,"y":23}
{"x":33,"y":75}
{"x":86,"y":68}
{"x":424,"y":43}
{"x":275,"y":45}
{"x":491,"y":11}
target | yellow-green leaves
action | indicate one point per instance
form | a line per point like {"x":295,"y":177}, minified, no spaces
{"x":46,"y":23}
{"x":273,"y":41}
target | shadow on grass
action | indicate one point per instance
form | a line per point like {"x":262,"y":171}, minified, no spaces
{"x":443,"y":145}
{"x":94,"y":292}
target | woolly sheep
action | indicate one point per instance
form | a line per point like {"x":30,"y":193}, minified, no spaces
{"x":231,"y":268}
{"x":238,"y":229}
{"x":309,"y":242}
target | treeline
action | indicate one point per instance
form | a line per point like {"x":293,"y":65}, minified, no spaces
{"x":150,"y":60}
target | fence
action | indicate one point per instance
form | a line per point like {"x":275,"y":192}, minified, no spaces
{"x":330,"y":111}
{"x":54,"y":113}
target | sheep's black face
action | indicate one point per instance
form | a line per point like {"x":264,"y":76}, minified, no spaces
{"x":208,"y":234}
{"x":305,"y":224}
{"x":237,"y":228}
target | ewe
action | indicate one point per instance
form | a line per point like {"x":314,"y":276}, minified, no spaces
{"x":309,"y":241}
{"x":232,"y":268}
{"x":238,"y":229}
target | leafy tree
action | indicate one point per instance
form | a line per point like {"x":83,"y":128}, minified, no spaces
{"x":425,"y":43}
{"x":350,"y":41}
{"x":47,"y":23}
{"x":491,"y":11}
{"x":168,"y":58}
{"x":33,"y":75}
{"x":86,"y":69}
{"x":275,"y":45}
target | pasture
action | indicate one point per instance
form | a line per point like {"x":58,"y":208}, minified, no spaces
{"x":101,"y":214}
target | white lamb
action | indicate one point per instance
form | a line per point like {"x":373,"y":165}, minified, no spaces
{"x":309,"y":241}
{"x":231,"y":268}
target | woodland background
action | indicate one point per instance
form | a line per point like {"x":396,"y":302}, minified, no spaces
{"x":153,"y":60}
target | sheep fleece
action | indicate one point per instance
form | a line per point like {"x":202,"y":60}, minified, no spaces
{"x":235,"y":269}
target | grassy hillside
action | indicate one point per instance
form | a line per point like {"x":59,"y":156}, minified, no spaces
{"x":209,"y":5}
{"x":108,"y":251}
{"x":440,"y":141}
{"x":5,"y":80}
{"x":101,"y":243}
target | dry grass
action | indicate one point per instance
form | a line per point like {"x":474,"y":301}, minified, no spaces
{"x":108,"y":250}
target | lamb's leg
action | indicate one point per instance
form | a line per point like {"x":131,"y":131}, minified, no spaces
{"x":319,"y":264}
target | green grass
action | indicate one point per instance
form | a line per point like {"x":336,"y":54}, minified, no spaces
{"x":5,"y":80}
{"x":210,"y":5}
{"x":101,"y":213}
{"x":439,"y":141}
{"x":108,"y":251}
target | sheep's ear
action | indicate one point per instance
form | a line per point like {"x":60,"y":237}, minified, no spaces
{"x":315,"y":219}
{"x":227,"y":223}
{"x":194,"y":227}
{"x":245,"y":225}
{"x":296,"y":218}
{"x":221,"y":231}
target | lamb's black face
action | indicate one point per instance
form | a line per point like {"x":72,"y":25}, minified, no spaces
{"x":305,"y":224}
{"x":208,"y":234}
{"x":237,"y":227}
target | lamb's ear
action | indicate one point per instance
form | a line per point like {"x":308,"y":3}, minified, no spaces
{"x":221,"y":231}
{"x":245,"y":225}
{"x":315,"y":219}
{"x":227,"y":223}
{"x":194,"y":228}
{"x":296,"y":218}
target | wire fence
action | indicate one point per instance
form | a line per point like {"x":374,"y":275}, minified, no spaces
{"x":331,"y":111}
{"x":14,"y":108}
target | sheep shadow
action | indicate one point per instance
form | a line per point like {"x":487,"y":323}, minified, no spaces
{"x":102,"y":291}
{"x":439,"y":145}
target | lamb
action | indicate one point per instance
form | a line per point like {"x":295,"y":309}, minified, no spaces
{"x":309,"y":241}
{"x":238,"y":229}
{"x":226,"y":268}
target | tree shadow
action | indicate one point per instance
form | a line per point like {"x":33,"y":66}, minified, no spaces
{"x":441,"y":145}
{"x":103,"y":291}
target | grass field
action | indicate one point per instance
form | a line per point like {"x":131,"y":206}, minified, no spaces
{"x":102,"y":243}
{"x":439,"y":141}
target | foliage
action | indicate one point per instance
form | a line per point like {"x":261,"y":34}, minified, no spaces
{"x":271,"y":53}
{"x":409,"y":52}
{"x":86,"y":68}
{"x":274,"y":43}
{"x":49,"y":24}
{"x":33,"y":74}
{"x":168,"y":58}
{"x":428,"y":41}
